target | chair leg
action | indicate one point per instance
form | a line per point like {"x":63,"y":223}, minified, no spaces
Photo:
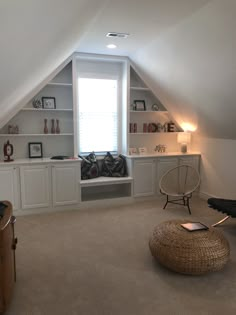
{"x":167,"y":200}
{"x":221,"y":221}
{"x":187,"y":204}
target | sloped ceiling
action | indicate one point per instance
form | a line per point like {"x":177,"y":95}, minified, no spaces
{"x":185,"y":50}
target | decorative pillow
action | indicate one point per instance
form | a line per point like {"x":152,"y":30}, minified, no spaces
{"x":114,"y":167}
{"x":89,"y":166}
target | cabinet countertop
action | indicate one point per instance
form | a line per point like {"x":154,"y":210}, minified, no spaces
{"x":158,"y":155}
{"x":38,"y":161}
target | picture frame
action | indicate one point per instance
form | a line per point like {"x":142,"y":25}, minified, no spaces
{"x":133,"y":151}
{"x":48,"y":102}
{"x":142,"y":150}
{"x":139,"y":105}
{"x":35,"y":149}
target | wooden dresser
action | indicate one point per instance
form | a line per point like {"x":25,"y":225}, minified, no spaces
{"x":7,"y":256}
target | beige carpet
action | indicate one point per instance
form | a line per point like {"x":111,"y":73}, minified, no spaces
{"x":97,"y":262}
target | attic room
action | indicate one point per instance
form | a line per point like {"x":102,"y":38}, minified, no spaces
{"x":85,"y":246}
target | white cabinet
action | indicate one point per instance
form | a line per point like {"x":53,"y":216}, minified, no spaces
{"x":65,"y":180}
{"x":144,"y":177}
{"x":9,"y":187}
{"x":164,"y":165}
{"x":34,"y":186}
{"x":147,"y":171}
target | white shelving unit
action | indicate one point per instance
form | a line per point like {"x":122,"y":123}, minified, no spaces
{"x":138,"y":90}
{"x":30,"y":120}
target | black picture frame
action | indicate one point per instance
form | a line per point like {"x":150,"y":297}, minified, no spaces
{"x":139,"y":105}
{"x":48,"y":102}
{"x":35,"y":150}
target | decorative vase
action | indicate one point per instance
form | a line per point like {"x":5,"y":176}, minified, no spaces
{"x":57,"y":127}
{"x":53,"y":126}
{"x":45,"y":130}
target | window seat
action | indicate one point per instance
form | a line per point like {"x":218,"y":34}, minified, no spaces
{"x":106,"y":188}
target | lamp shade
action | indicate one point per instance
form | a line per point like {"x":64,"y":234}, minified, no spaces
{"x":184,"y":137}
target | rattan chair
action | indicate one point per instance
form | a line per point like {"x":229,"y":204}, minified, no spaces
{"x":178,"y":184}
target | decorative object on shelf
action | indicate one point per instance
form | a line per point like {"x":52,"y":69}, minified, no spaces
{"x":159,"y":127}
{"x":37,"y":103}
{"x":35,"y":149}
{"x":13,"y":129}
{"x":8,"y":151}
{"x":49,"y":102}
{"x":57,"y":126}
{"x":135,"y":128}
{"x":142,"y":151}
{"x":139,"y":105}
{"x":45,"y":130}
{"x":171,"y":127}
{"x":145,"y":127}
{"x":149,"y":127}
{"x":184,"y":138}
{"x":160,"y":148}
{"x":131,"y":127}
{"x":133,"y":151}
{"x":155,"y":107}
{"x":53,"y":126}
{"x":154,"y":127}
{"x":165,"y":127}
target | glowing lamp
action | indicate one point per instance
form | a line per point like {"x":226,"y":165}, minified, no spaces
{"x":184,"y":138}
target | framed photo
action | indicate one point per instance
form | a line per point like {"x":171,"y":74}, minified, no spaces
{"x":35,"y":149}
{"x":49,"y":102}
{"x":133,"y":151}
{"x":139,"y":105}
{"x":142,"y":151}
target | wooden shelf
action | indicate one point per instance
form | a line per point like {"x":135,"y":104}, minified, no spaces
{"x":151,"y":133}
{"x":48,"y":110}
{"x":149,"y":111}
{"x":35,"y":134}
{"x":137,"y":88}
{"x":59,"y":84}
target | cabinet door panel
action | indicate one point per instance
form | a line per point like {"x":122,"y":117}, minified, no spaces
{"x":190,"y":160}
{"x":144,"y":177}
{"x":164,"y":165}
{"x":65,"y":184}
{"x":34,"y":186}
{"x":9,"y":188}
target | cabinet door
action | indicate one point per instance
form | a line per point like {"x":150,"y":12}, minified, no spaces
{"x":164,"y":165}
{"x":65,"y":184}
{"x":34,"y":186}
{"x":144,"y":177}
{"x":9,"y":186}
{"x":190,"y":160}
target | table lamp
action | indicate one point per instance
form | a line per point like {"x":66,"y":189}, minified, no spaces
{"x":184,"y":138}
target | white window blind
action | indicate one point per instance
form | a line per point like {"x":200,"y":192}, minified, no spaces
{"x":98,"y":115}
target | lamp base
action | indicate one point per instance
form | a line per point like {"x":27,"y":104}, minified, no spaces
{"x":184,"y":148}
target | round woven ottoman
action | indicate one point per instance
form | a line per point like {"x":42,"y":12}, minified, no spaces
{"x":193,"y":253}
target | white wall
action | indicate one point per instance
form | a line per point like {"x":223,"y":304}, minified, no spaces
{"x":192,"y":68}
{"x":218,"y":168}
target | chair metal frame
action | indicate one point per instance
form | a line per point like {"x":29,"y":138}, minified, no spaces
{"x":181,"y":198}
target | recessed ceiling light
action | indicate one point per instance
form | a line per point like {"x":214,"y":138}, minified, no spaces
{"x":111,"y":46}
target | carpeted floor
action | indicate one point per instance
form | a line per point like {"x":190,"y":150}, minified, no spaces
{"x":97,"y":262}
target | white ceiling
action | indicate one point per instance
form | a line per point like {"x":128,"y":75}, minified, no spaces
{"x":143,"y":20}
{"x":185,"y":50}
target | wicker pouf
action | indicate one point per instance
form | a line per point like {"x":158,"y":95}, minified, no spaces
{"x":187,"y":252}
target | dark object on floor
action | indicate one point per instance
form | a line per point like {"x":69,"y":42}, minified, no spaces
{"x":178,"y":184}
{"x":7,"y":254}
{"x":227,"y":206}
{"x":189,"y":253}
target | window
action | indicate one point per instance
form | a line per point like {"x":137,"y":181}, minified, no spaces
{"x":98,"y":112}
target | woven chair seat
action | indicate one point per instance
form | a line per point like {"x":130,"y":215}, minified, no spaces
{"x":187,"y":252}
